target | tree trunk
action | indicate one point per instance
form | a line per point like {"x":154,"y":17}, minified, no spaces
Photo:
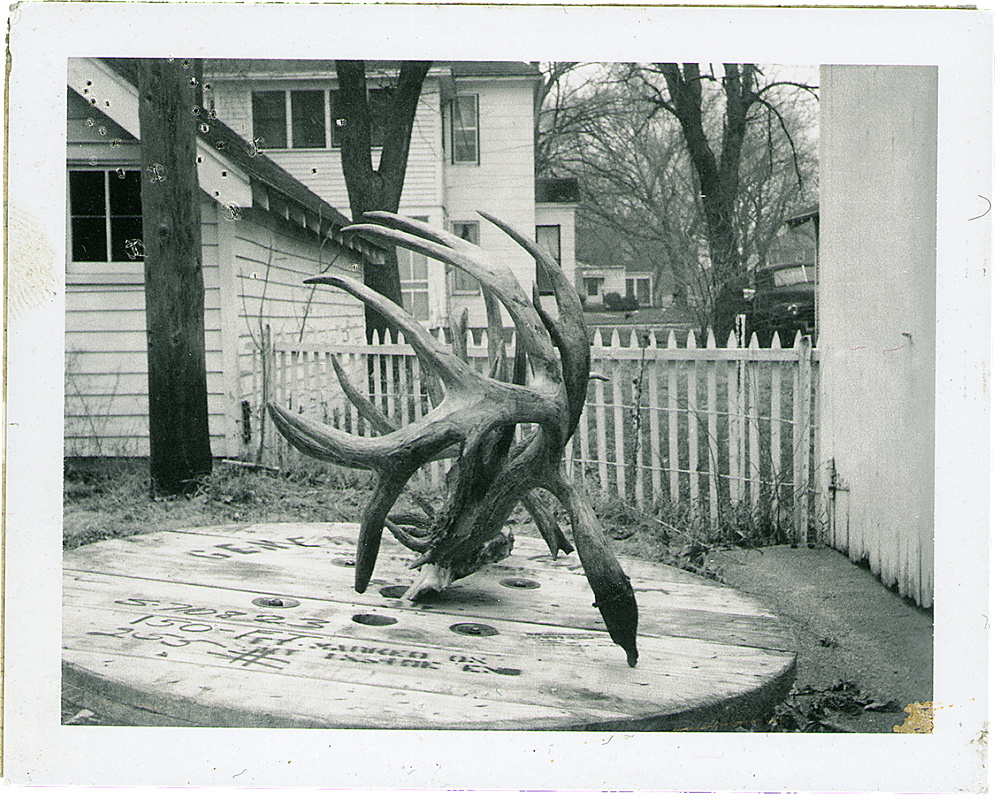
{"x":179,"y":439}
{"x":377,"y":189}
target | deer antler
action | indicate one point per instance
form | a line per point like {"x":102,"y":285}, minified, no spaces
{"x":476,"y":421}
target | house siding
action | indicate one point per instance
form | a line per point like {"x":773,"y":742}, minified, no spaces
{"x":106,"y":373}
{"x":503,"y":183}
{"x":321,"y":169}
{"x":106,"y":378}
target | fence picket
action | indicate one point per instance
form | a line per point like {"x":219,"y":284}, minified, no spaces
{"x":617,"y":417}
{"x":693,"y":425}
{"x":720,"y":440}
{"x":734,"y":427}
{"x":653,"y":446}
{"x":711,"y":378}
{"x":672,"y":405}
{"x":753,"y":422}
{"x":803,"y":430}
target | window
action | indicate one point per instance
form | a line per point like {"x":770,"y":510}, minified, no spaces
{"x":308,"y":118}
{"x":548,"y":238}
{"x":269,"y":118}
{"x":465,"y":129}
{"x":106,"y":215}
{"x":379,"y":105}
{"x":413,"y":268}
{"x":592,"y":286}
{"x":306,"y":127}
{"x":638,"y":288}
{"x":462,"y":282}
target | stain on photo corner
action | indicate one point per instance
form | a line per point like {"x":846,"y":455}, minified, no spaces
{"x":919,"y":719}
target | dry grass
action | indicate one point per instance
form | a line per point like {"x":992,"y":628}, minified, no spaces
{"x":111,"y":499}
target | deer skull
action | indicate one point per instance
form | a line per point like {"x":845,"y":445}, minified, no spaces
{"x":474,"y":421}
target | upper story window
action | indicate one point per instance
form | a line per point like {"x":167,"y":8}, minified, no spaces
{"x":463,"y":283}
{"x":105,"y":207}
{"x":378,"y":101}
{"x":304,"y":118}
{"x":296,"y":116}
{"x":465,"y":126}
{"x":548,"y":238}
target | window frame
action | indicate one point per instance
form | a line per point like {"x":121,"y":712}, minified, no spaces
{"x":453,"y":105}
{"x":597,"y":281}
{"x":288,"y":119}
{"x":108,"y":264}
{"x":461,"y":281}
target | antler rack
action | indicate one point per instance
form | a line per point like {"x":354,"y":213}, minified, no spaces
{"x":474,"y":421}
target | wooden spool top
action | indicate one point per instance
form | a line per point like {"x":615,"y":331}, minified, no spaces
{"x":260,"y":626}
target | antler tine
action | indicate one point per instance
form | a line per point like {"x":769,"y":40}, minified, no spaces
{"x":569,"y":332}
{"x":496,"y":277}
{"x":370,"y":412}
{"x":457,"y":328}
{"x":450,"y":369}
{"x":495,"y":335}
{"x":612,"y":590}
{"x":415,"y":227}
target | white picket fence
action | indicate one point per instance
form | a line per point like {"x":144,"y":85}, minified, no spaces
{"x":723,"y":429}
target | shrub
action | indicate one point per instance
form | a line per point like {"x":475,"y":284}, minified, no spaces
{"x":615,"y":302}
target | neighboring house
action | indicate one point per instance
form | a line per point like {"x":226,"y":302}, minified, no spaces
{"x":471,"y":149}
{"x":615,"y":278}
{"x":556,"y":209}
{"x":263,"y":232}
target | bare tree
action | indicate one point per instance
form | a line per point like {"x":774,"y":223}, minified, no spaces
{"x":377,"y":189}
{"x":700,"y":191}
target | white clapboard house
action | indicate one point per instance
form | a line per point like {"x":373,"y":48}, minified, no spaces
{"x":472,"y":148}
{"x":263,"y":232}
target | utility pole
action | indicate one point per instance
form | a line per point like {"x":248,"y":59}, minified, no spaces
{"x":179,"y":439}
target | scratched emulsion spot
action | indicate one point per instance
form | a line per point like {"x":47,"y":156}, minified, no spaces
{"x":31,"y":278}
{"x":919,"y":719}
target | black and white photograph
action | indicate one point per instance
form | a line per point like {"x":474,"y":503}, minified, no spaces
{"x":437,"y":414}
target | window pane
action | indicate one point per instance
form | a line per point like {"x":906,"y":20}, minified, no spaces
{"x":308,"y":118}
{"x":269,"y":118}
{"x":89,"y":239}
{"x":123,"y":231}
{"x":338,"y":122}
{"x":86,"y":193}
{"x":411,"y":266}
{"x":643,"y":291}
{"x":464,"y":124}
{"x":379,"y":109}
{"x":462,"y":282}
{"x":126,"y":212}
{"x":416,"y":303}
{"x":126,"y":193}
{"x":87,"y":200}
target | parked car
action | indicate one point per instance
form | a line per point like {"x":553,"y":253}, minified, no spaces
{"x":783,"y":301}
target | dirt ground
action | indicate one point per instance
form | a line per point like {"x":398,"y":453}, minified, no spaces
{"x":865,"y":652}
